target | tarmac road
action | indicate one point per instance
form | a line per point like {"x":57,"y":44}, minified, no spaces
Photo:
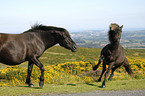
{"x":104,"y":93}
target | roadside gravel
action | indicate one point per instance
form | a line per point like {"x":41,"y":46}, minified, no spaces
{"x":104,"y":93}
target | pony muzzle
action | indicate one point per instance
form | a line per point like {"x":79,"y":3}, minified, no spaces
{"x":74,"y":48}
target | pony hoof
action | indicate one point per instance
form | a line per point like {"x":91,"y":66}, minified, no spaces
{"x":31,"y":85}
{"x":103,"y":86}
{"x":41,"y":83}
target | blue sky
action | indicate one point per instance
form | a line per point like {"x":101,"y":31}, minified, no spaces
{"x":16,"y":16}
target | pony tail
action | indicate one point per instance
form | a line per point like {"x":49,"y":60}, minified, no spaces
{"x":127,"y":67}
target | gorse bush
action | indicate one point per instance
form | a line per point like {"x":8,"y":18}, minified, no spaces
{"x":68,"y":73}
{"x":54,"y":74}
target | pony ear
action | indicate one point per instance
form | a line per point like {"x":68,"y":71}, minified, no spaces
{"x":121,"y":27}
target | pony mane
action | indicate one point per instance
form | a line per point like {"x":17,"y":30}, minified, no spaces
{"x":114,"y":25}
{"x":41,"y":27}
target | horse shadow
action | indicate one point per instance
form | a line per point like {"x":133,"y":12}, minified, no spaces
{"x":72,"y":84}
{"x":90,"y":84}
{"x":30,"y":87}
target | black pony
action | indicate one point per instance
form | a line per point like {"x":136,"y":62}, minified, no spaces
{"x":29,"y":46}
{"x":113,"y":54}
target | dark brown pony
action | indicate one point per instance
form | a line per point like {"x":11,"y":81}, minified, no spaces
{"x":113,"y":54}
{"x":29,"y":46}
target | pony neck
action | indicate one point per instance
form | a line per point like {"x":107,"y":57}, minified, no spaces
{"x":48,"y":40}
{"x":114,"y":45}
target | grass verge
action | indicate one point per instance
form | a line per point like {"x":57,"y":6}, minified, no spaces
{"x":72,"y":88}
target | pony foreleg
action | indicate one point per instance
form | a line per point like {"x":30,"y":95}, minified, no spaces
{"x":100,"y":60}
{"x":28,"y":79}
{"x":96,"y":66}
{"x":38,"y":63}
{"x":106,"y":74}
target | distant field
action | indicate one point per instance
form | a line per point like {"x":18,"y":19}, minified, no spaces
{"x":57,"y":55}
{"x":99,"y":38}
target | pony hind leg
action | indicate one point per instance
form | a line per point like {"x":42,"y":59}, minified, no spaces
{"x":112,"y":71}
{"x":104,"y":69}
{"x":28,"y":79}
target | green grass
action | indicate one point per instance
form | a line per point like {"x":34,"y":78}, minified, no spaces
{"x":57,"y":54}
{"x":73,"y":88}
{"x":135,"y":53}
